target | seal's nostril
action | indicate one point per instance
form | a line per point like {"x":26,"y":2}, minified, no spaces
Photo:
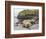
{"x":27,"y":27}
{"x":23,"y":26}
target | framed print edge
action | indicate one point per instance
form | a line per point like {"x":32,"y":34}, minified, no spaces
{"x":8,"y":19}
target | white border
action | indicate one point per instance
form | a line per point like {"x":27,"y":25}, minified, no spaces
{"x":26,"y":31}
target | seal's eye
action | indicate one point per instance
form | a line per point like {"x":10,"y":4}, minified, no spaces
{"x":32,"y":22}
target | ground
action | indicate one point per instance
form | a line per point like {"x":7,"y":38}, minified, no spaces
{"x":20,"y":27}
